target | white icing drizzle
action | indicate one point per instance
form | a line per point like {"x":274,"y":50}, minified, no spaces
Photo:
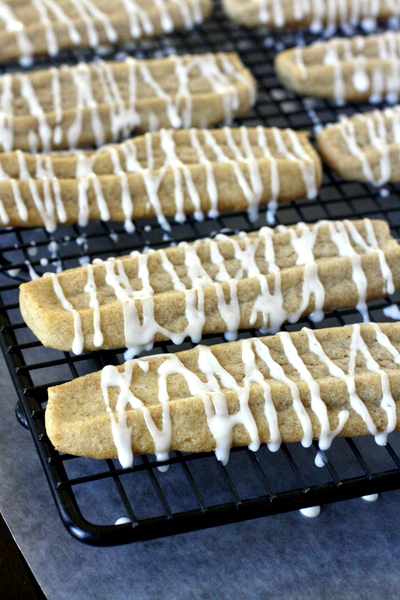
{"x":245,"y":165}
{"x":140,"y":332}
{"x":90,"y":288}
{"x":138,"y":19}
{"x":317,"y":404}
{"x":306,"y":163}
{"x":217,"y":383}
{"x":388,"y":285}
{"x":22,"y":210}
{"x":140,"y":324}
{"x":15,"y":25}
{"x":120,"y":430}
{"x":276,"y":372}
{"x":45,"y":208}
{"x":274,"y":174}
{"x":82,"y":79}
{"x":254,"y":375}
{"x":77,"y":344}
{"x":35,"y":110}
{"x":89,"y":12}
{"x":383,"y":131}
{"x":253,"y":193}
{"x":340,"y":236}
{"x":210,"y":175}
{"x":6,"y":113}
{"x":358,"y":345}
{"x":172,"y":160}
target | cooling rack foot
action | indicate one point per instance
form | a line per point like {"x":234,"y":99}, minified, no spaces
{"x":19,"y":413}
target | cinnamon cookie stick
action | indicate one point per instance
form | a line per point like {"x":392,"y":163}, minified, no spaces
{"x":356,"y":69}
{"x":365,"y":147}
{"x":316,"y":15}
{"x":258,"y":280}
{"x":170,"y":173}
{"x":98,"y":102}
{"x":37,"y":27}
{"x":289,"y":387}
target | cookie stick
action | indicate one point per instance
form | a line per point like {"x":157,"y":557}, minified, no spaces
{"x":170,"y":294}
{"x":35,"y":27}
{"x":164,"y":174}
{"x":277,"y":14}
{"x":344,"y":69}
{"x":93,"y":103}
{"x":364,"y":147}
{"x":151,"y":152}
{"x":289,"y":387}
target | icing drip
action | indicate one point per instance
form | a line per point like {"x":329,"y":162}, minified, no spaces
{"x":120,"y":430}
{"x":371,"y":497}
{"x":216,"y":384}
{"x":392,"y":311}
{"x":311,"y":512}
{"x":138,"y":306}
{"x":320,"y":459}
{"x":123,"y":521}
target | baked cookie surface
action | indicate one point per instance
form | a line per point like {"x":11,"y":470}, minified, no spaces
{"x":364,"y":147}
{"x":104,"y":101}
{"x":169,"y":173}
{"x":288,"y":387}
{"x":344,"y":69}
{"x":37,"y":27}
{"x":258,"y":280}
{"x":277,"y":14}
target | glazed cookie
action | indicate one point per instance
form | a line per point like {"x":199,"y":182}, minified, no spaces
{"x":285,"y":388}
{"x":365,"y":147}
{"x":39,"y":27}
{"x":98,"y":102}
{"x":258,"y":280}
{"x":354,"y":69}
{"x":316,"y":15}
{"x":169,"y":173}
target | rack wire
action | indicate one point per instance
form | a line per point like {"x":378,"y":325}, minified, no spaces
{"x":197,"y":491}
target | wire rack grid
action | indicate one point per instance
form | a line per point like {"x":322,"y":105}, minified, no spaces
{"x":197,"y":491}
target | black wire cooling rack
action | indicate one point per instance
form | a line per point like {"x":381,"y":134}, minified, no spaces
{"x":196,"y":492}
